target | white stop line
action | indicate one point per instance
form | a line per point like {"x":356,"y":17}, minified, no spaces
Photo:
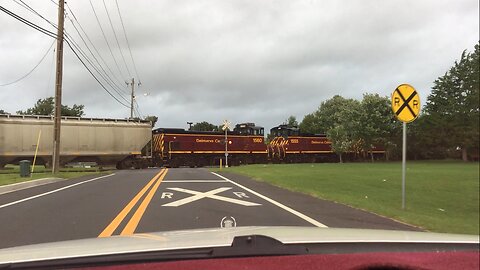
{"x":209,"y":194}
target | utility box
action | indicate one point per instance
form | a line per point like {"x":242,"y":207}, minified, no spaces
{"x":24,"y":168}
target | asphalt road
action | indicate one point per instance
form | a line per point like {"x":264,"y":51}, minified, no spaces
{"x":136,"y":201}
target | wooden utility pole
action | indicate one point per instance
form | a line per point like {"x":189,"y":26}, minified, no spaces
{"x":132,"y":98}
{"x":58,"y":90}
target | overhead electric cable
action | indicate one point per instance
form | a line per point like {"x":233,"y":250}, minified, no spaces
{"x":91,"y":73}
{"x":138,"y":109}
{"x":89,"y":61}
{"x":117,"y":80}
{"x":30,"y":72}
{"x":107,"y":77}
{"x":29,"y":8}
{"x":26,"y":6}
{"x":46,"y":32}
{"x":106,"y":40}
{"x":116,"y":39}
{"x":128,"y":43}
{"x":29,"y":23}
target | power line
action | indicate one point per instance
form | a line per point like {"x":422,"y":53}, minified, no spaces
{"x":46,"y":32}
{"x":94,"y":48}
{"x":30,"y":72}
{"x":67,"y":35}
{"x":105,"y":75}
{"x":128,"y":43}
{"x":91,"y":73}
{"x":105,"y":37}
{"x":137,"y":109}
{"x":115,"y":35}
{"x":29,"y":8}
{"x":52,"y":67}
{"x":88,"y":60}
{"x":29,"y":23}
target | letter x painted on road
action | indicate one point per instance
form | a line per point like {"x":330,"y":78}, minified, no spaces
{"x":405,"y":102}
{"x":209,"y":194}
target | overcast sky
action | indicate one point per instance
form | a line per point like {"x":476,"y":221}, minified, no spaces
{"x":246,"y":61}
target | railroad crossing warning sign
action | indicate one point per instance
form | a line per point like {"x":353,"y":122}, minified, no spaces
{"x":406,"y":103}
{"x":212,"y":194}
{"x":226,"y":125}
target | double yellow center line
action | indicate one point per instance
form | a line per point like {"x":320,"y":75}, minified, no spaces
{"x":135,"y":219}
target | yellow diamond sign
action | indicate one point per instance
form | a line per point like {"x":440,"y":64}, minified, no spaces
{"x":406,"y":103}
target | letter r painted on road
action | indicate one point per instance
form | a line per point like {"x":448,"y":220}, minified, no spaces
{"x":240,"y":194}
{"x":168,"y":195}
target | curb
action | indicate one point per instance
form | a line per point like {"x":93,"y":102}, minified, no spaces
{"x":28,"y":184}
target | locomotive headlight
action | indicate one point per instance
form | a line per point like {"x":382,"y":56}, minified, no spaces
{"x":229,"y":142}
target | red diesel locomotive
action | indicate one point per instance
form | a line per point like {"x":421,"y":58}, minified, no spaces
{"x":245,"y":145}
{"x":178,"y":147}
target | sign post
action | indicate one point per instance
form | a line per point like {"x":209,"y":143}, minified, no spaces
{"x":406,"y":108}
{"x":226,"y":126}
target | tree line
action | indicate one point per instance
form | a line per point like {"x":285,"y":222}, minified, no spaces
{"x":46,"y":106}
{"x":447,"y":128}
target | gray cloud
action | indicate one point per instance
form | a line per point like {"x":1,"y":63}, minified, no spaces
{"x":256,"y":61}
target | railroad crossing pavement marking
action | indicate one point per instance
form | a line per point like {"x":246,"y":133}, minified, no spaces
{"x":209,"y":194}
{"x":284,"y":207}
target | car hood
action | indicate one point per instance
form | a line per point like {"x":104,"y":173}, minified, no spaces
{"x":221,"y":237}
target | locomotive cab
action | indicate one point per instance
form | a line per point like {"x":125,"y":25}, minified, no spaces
{"x":285,"y":131}
{"x":248,"y":129}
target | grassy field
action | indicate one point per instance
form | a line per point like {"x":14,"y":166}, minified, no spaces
{"x":11,"y":174}
{"x":441,"y":196}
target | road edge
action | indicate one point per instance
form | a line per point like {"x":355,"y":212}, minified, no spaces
{"x":28,"y":184}
{"x":337,"y":202}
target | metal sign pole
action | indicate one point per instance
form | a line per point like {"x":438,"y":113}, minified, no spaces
{"x":226,"y":126}
{"x":404,"y":161}
{"x":226,"y":149}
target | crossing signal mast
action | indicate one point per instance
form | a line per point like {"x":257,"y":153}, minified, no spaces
{"x":226,"y":126}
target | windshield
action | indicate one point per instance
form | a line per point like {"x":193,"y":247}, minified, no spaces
{"x":131,"y":117}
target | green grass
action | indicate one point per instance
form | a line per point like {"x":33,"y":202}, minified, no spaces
{"x":441,"y":196}
{"x":11,"y":174}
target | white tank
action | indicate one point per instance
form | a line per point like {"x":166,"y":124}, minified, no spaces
{"x":105,"y":141}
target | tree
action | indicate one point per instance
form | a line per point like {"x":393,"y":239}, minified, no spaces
{"x":453,"y":105}
{"x":3,"y":112}
{"x":204,"y":126}
{"x":152,"y":119}
{"x":341,"y":139}
{"x":327,"y":116}
{"x":308,"y":124}
{"x":291,"y":121}
{"x":47,"y":106}
{"x":376,"y":122}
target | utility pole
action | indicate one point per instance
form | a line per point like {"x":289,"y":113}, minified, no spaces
{"x":132,"y":98}
{"x":58,"y":90}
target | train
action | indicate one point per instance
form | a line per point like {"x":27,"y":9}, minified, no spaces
{"x":179,"y":147}
{"x":127,"y":143}
{"x":120,"y":142}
